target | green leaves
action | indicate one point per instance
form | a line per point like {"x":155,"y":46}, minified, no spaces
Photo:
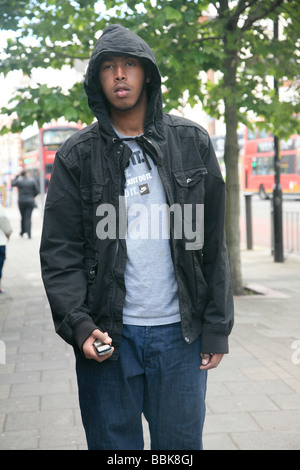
{"x":10,"y":13}
{"x":172,"y":14}
{"x":185,"y":40}
{"x":42,"y":104}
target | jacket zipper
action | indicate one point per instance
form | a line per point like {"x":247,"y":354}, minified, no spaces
{"x":120,"y":192}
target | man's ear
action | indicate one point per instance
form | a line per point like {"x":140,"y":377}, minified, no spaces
{"x":148,"y":75}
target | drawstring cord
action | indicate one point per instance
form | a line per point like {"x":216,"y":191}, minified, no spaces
{"x":140,"y":141}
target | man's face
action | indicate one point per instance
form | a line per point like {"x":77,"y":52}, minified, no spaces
{"x":123,"y":82}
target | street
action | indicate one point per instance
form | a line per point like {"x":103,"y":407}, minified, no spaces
{"x":261,"y":223}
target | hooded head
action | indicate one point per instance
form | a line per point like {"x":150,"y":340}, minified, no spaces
{"x":117,"y":40}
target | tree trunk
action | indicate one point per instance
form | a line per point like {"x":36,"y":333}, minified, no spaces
{"x":231,"y":158}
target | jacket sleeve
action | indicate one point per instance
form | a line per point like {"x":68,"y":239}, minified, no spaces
{"x":219,"y":312}
{"x":62,"y":255}
{"x":15,"y":182}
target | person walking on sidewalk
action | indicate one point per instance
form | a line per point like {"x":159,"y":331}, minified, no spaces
{"x":163,"y":303}
{"x":5,"y":233}
{"x":28,"y":190}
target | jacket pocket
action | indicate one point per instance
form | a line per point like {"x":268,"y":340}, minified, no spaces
{"x":91,"y":193}
{"x":200,"y":283}
{"x":189,"y":194}
{"x":91,"y":268}
{"x":189,"y":185}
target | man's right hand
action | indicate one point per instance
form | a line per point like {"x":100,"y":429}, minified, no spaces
{"x":89,"y":350}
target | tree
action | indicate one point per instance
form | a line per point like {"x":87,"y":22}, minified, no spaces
{"x":188,"y":36}
{"x":47,"y":35}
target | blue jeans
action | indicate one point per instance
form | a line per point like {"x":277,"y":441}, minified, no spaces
{"x":157,"y":374}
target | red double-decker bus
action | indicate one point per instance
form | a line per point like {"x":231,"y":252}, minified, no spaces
{"x":257,"y":174}
{"x":50,"y":138}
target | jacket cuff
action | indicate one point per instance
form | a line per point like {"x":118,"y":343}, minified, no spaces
{"x":83,"y":330}
{"x":212,"y":342}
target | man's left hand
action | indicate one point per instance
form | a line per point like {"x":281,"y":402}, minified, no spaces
{"x":210,"y":361}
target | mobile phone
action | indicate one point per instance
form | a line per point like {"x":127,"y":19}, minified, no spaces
{"x":101,"y":348}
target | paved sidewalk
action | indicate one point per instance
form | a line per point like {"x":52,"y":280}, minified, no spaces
{"x":253,"y":399}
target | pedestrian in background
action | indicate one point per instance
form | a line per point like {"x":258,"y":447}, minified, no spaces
{"x":5,"y":233}
{"x":28,"y":190}
{"x":165,"y":305}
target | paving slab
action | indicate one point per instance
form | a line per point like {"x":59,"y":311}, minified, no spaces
{"x":253,"y":397}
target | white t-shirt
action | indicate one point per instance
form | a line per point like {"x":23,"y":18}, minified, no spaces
{"x":151,"y":286}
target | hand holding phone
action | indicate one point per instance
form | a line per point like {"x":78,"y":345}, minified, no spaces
{"x":101,"y":348}
{"x":97,"y":346}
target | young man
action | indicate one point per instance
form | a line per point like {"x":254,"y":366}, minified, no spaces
{"x":129,"y":257}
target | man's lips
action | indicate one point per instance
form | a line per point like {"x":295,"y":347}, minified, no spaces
{"x":121,"y":90}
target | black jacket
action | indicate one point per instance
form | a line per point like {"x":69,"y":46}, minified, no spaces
{"x":83,"y":275}
{"x":27,"y":188}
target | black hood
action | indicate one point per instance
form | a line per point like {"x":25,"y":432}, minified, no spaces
{"x":116,"y":39}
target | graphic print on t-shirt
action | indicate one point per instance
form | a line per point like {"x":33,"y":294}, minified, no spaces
{"x":136,"y":177}
{"x":144,"y":189}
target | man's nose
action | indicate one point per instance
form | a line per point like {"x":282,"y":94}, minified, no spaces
{"x":120,"y":73}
